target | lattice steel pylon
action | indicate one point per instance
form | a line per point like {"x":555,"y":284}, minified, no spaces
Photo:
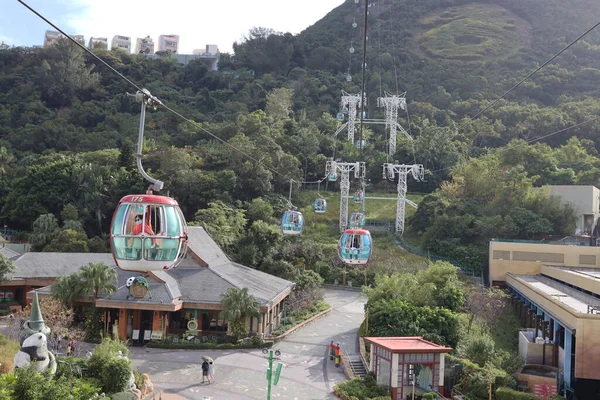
{"x":389,"y":172}
{"x":344,"y":169}
{"x":391,"y":103}
{"x":353,"y":102}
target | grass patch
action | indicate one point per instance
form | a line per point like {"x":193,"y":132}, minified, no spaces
{"x":298,"y":317}
{"x":8,"y":350}
{"x":473,"y":32}
{"x":506,"y":331}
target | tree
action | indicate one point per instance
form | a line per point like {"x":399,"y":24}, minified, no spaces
{"x":6,"y":266}
{"x":224,"y":223}
{"x":45,"y":229}
{"x":98,"y":279}
{"x":68,"y":288}
{"x":485,"y":305}
{"x":69,"y":241}
{"x":239,"y":305}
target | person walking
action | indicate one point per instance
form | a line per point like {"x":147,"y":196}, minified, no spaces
{"x":205,"y":367}
{"x":331,"y":350}
{"x":337,"y":355}
{"x":211,"y":371}
{"x":71,"y":347}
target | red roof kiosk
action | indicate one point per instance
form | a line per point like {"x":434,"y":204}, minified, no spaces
{"x":406,"y":362}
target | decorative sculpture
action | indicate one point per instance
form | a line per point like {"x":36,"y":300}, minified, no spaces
{"x":138,"y":287}
{"x":34,"y":348}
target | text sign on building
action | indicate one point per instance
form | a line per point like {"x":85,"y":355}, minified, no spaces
{"x":544,"y":390}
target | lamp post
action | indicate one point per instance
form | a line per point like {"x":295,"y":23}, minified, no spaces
{"x":269,"y":356}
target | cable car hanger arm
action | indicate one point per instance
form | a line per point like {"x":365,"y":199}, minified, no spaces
{"x":145,"y":97}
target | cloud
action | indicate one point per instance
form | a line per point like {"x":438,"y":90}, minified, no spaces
{"x":196,"y":22}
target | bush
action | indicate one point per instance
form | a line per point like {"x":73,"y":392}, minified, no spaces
{"x":70,"y":367}
{"x":112,"y":371}
{"x":430,"y":396}
{"x":30,"y":385}
{"x":509,"y":394}
{"x":8,"y":350}
{"x":361,"y":389}
{"x":480,"y":350}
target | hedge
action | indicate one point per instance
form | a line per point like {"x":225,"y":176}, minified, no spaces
{"x":505,"y":393}
{"x":207,"y":346}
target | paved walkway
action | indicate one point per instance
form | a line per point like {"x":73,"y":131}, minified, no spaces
{"x":241,"y":375}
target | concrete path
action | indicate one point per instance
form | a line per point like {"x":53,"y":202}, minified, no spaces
{"x":241,"y":375}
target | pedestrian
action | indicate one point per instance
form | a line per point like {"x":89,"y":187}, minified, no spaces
{"x":205,"y":367}
{"x":331,"y":350}
{"x":72,"y":347}
{"x":58,"y":341}
{"x":337,"y":355}
{"x":211,"y":370}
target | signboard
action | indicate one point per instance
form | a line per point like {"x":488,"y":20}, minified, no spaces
{"x":156,"y":335}
{"x":136,"y":334}
{"x":544,"y":390}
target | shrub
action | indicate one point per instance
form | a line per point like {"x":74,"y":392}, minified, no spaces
{"x":509,"y":394}
{"x":7,"y":383}
{"x":138,"y":379}
{"x":70,"y":367}
{"x":8,"y":350}
{"x":430,"y":396}
{"x":480,"y":350}
{"x":361,"y":389}
{"x":123,"y":396}
{"x":115,"y":375}
{"x":30,"y":385}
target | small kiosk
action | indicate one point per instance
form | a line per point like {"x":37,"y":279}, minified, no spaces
{"x":404,"y":363}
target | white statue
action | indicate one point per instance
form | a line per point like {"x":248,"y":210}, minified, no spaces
{"x":35,"y":349}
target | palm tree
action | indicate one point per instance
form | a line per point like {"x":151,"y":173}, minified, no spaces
{"x":239,"y":305}
{"x":98,"y":278}
{"x":45,"y":228}
{"x":67,"y":289}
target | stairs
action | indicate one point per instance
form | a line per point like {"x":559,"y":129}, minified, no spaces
{"x":357,"y":367}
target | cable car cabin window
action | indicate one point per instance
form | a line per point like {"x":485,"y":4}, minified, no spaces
{"x":366,"y":241}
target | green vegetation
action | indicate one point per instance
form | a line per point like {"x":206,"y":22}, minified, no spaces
{"x":300,"y":315}
{"x":474,"y":31}
{"x":8,"y":349}
{"x":361,"y":389}
{"x":239,"y":306}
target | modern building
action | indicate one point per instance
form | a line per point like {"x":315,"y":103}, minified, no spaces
{"x":404,"y":363}
{"x":210,"y":49}
{"x":585,"y":199}
{"x":168,"y":43}
{"x":79,"y":38}
{"x":144,"y":45}
{"x":51,"y":37}
{"x":121,"y":42}
{"x":556,"y":290}
{"x":99,"y":42}
{"x":187,"y":298}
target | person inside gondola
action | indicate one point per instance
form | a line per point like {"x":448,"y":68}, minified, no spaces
{"x":140,"y":225}
{"x":356,"y":243}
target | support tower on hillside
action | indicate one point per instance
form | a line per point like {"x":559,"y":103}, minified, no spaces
{"x":344,"y":169}
{"x":389,"y":172}
{"x":391,"y":103}
{"x":353,"y":102}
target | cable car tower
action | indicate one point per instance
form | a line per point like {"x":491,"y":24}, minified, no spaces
{"x":389,"y":172}
{"x":391,"y":104}
{"x":351,"y":102}
{"x":344,"y":168}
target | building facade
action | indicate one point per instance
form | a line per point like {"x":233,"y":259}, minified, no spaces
{"x":98,"y":42}
{"x":144,"y":45}
{"x":556,"y":290}
{"x":121,"y":42}
{"x":184,"y":299}
{"x":585,"y":200}
{"x":168,"y":43}
{"x":51,"y":37}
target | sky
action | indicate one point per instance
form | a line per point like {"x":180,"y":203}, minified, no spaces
{"x":197,"y":22}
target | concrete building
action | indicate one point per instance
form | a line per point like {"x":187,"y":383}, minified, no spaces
{"x":51,"y":37}
{"x":190,"y":292}
{"x":121,"y":42}
{"x":168,"y":43}
{"x":210,"y":49}
{"x":144,"y":45}
{"x":585,"y":199}
{"x":556,"y":290}
{"x":99,"y":42}
{"x":79,"y":38}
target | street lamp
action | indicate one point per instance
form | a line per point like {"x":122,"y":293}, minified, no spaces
{"x":272,"y":355}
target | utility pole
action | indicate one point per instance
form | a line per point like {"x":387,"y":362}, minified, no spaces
{"x":269,"y":356}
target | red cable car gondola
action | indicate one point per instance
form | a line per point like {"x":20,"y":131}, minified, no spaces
{"x":147,"y":232}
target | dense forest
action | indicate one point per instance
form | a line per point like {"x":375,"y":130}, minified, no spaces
{"x":68,"y":127}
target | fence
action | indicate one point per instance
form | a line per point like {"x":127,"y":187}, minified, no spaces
{"x":475,"y":274}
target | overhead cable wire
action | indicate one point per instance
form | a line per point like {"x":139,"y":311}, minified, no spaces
{"x":532,"y":73}
{"x":363,"y":85}
{"x":132,"y":83}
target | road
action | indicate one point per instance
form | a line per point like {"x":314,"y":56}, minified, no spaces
{"x":240,"y":374}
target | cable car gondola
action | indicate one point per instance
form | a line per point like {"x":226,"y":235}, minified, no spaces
{"x":357,"y":220}
{"x":359,"y":196}
{"x":355,"y":246}
{"x":292,"y":222}
{"x":147,"y":232}
{"x":320,"y":206}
